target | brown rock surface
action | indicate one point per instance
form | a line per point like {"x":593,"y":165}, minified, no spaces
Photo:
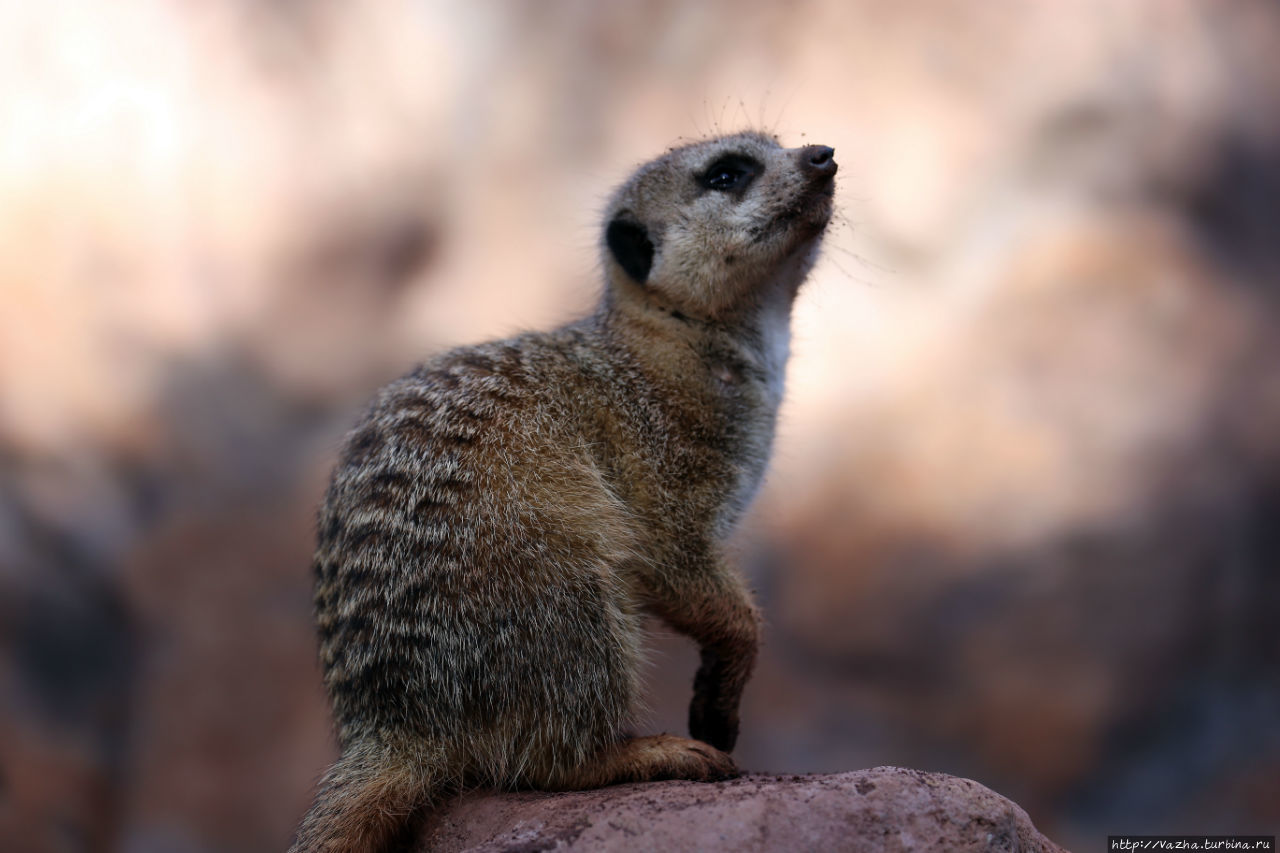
{"x":882,"y":809}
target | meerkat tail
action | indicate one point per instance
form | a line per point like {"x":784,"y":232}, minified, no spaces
{"x":366,"y":803}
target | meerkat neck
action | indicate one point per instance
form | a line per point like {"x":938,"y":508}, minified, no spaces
{"x":751,"y":344}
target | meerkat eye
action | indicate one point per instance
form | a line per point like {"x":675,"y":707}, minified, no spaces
{"x":723,"y":177}
{"x":733,"y":172}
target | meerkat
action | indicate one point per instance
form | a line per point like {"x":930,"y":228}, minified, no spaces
{"x":505,"y":514}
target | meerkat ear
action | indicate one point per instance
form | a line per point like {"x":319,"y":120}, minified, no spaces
{"x":629,"y":242}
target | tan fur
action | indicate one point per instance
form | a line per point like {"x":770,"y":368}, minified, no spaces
{"x":503,"y":514}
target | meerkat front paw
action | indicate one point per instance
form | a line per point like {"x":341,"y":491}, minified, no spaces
{"x":711,"y":725}
{"x":713,"y":715}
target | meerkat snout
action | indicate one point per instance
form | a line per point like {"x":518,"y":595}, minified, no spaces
{"x":819,"y":158}
{"x":818,"y":162}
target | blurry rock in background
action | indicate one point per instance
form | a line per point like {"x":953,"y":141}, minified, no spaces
{"x":1021,"y":524}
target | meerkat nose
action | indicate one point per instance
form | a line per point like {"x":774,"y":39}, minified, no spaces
{"x":818,"y":160}
{"x":820,"y":154}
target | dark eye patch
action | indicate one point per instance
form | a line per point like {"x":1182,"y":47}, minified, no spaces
{"x":631,"y":247}
{"x":730,"y":173}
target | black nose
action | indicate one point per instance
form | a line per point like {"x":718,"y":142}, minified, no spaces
{"x":818,"y":160}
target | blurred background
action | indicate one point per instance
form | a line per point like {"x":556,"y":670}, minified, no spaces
{"x":1022,"y":521}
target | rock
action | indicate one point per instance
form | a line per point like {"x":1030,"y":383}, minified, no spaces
{"x":881,"y":809}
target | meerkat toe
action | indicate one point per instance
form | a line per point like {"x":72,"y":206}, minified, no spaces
{"x":696,"y":761}
{"x":717,"y":765}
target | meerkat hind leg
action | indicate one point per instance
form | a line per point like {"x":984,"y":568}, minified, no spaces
{"x":650,"y":759}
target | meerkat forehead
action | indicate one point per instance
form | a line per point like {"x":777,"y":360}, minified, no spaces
{"x":707,"y":224}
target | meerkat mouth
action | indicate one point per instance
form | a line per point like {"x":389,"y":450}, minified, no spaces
{"x":814,"y":205}
{"x":807,"y":217}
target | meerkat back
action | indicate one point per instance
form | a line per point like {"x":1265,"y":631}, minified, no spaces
{"x":503,"y":515}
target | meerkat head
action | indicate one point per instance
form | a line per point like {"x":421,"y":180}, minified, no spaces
{"x":709,"y":227}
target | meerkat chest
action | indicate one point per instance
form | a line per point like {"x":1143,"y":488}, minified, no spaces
{"x":749,"y":380}
{"x":775,"y":349}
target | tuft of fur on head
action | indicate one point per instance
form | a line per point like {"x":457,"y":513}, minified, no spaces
{"x":716,"y":224}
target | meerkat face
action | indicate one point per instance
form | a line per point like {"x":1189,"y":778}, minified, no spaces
{"x":709,"y":226}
